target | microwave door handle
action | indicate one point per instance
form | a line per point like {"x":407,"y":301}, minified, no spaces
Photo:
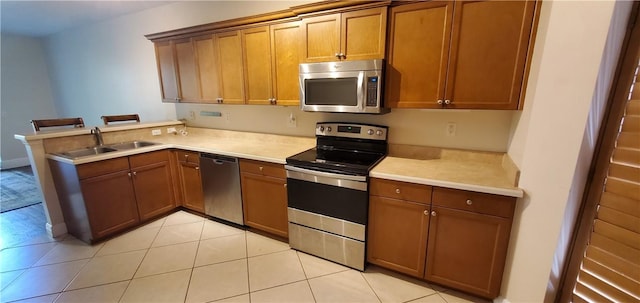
{"x":361,"y":93}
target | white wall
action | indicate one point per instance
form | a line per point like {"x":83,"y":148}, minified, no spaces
{"x":25,"y":94}
{"x":549,"y":138}
{"x":109,"y":68}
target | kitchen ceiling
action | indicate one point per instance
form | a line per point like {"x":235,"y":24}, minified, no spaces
{"x":43,"y":18}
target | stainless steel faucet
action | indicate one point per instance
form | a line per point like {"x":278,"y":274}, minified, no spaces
{"x":96,"y":132}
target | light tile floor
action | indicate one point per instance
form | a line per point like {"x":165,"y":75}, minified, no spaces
{"x":187,"y":258}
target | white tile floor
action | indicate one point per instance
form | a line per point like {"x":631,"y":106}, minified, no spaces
{"x":186,"y":258}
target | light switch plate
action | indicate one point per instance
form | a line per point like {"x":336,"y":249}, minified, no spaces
{"x":156,"y":132}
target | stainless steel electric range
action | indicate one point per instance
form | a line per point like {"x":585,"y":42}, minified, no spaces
{"x":327,"y":189}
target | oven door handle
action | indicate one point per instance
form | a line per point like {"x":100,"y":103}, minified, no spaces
{"x":340,"y":180}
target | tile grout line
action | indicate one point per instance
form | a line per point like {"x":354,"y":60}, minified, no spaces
{"x":370,"y":287}
{"x":193,"y":264}
{"x":246,"y":248}
{"x":306,"y":277}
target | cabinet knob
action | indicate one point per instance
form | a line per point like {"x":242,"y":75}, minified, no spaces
{"x":439,"y":102}
{"x":186,"y":156}
{"x":197,"y":167}
{"x":469,"y":202}
{"x":135,"y":174}
{"x":447,"y":102}
{"x":433,"y":213}
{"x":261,"y":168}
{"x":129,"y":174}
{"x":426,"y":212}
{"x":397,"y":190}
{"x":285,"y":185}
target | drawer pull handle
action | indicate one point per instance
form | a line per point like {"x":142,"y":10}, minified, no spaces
{"x":433,"y":213}
{"x":397,"y":190}
{"x":469,"y":202}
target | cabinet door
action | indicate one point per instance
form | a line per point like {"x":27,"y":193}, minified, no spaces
{"x":257,"y":64}
{"x":321,"y":38}
{"x":489,"y":44}
{"x":285,"y":55}
{"x":153,"y":186}
{"x":191,"y":184}
{"x":397,"y":235}
{"x":363,"y":33}
{"x":167,"y":71}
{"x":467,"y":250}
{"x":111,"y":203}
{"x":418,"y":54}
{"x":229,"y":47}
{"x":187,"y":74}
{"x":207,"y":69}
{"x":264,"y":202}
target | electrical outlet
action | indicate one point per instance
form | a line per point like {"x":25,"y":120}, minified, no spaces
{"x":156,"y":132}
{"x":192,"y":115}
{"x":171,"y":130}
{"x":451,"y":129}
{"x":292,"y":121}
{"x":227,"y":116}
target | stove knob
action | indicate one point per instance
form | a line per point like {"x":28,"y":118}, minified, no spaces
{"x":328,"y":129}
{"x":370,"y":132}
{"x":321,"y":128}
{"x":379,"y":132}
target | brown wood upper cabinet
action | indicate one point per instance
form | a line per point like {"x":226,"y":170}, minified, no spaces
{"x":353,"y":35}
{"x":271,"y":58}
{"x":458,"y":54}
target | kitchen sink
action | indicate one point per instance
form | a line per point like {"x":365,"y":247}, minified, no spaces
{"x":131,"y":145}
{"x":90,"y":151}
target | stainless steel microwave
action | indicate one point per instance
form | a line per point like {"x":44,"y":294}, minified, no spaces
{"x":342,"y":87}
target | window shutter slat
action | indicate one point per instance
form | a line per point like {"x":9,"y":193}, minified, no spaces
{"x":617,"y":249}
{"x":625,"y":172}
{"x":614,"y":262}
{"x":627,"y":155}
{"x":633,"y":108}
{"x":618,"y":234}
{"x":619,"y":281}
{"x":631,"y":124}
{"x":623,"y":204}
{"x":587,"y":294}
{"x":603,"y":287}
{"x":623,"y":188}
{"x":630,"y":140}
{"x":618,"y":218}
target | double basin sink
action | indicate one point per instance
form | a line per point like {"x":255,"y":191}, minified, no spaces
{"x":98,"y":150}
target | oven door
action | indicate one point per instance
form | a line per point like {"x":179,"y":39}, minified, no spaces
{"x":328,"y":214}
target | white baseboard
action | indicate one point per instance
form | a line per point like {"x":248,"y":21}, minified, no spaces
{"x":56,"y":230}
{"x":500,"y":299}
{"x":13,"y":163}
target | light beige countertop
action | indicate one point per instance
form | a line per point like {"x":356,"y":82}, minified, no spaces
{"x":254,"y":146}
{"x":473,"y":171}
{"x":467,"y":170}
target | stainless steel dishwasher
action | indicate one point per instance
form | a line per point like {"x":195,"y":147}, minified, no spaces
{"x":221,"y":187}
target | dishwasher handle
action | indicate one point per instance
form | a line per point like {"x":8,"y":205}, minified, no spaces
{"x":218,"y":159}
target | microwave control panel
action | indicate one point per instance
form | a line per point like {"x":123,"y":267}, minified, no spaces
{"x":372,"y":91}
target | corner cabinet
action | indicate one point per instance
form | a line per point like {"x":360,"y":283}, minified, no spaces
{"x":264,"y":196}
{"x":458,"y":54}
{"x":99,"y":199}
{"x":352,"y":35}
{"x":454,"y":238}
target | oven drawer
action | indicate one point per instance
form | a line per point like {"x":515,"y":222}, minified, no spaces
{"x":263,"y":168}
{"x":326,"y":245}
{"x":488,"y":204}
{"x":400,"y":190}
{"x":332,"y":225}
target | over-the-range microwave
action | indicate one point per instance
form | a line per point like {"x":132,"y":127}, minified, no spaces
{"x":342,"y":87}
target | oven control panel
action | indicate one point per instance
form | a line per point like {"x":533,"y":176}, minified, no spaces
{"x":352,"y":130}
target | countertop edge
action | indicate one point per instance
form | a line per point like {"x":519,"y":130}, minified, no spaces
{"x":516,"y":192}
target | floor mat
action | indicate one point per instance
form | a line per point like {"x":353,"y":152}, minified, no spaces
{"x":18,"y":189}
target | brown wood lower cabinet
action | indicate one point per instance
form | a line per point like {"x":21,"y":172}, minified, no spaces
{"x":101,"y":198}
{"x":450,"y":237}
{"x":264,"y":196}
{"x":190,"y":181}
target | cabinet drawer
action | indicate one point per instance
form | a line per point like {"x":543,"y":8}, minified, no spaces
{"x":98,"y":168}
{"x":476,"y":202}
{"x":188,"y":156}
{"x":263,"y":168}
{"x":148,"y":158}
{"x":400,"y":190}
